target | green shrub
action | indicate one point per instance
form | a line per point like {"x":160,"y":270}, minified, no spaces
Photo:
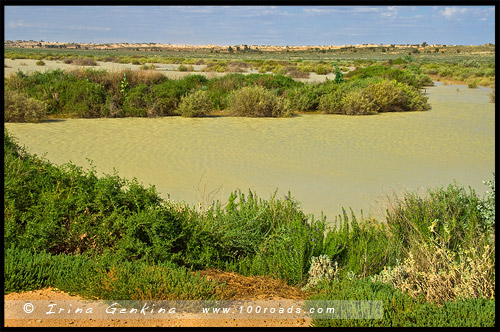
{"x":18,"y":107}
{"x":219,"y":88}
{"x":185,"y":68}
{"x":409,"y":76}
{"x":472,"y":84}
{"x":66,"y":210}
{"x":84,"y":62}
{"x":358,"y":102}
{"x":257,"y":101}
{"x":279,"y":70}
{"x":296,"y":73}
{"x":359,"y":247}
{"x":146,"y":67}
{"x":166,"y":97}
{"x":105,"y":278}
{"x":305,"y":97}
{"x":401,"y":310}
{"x":277,"y":83}
{"x":195,"y":104}
{"x":449,"y":212}
{"x":322,"y":69}
{"x":40,"y":63}
{"x":371,"y":96}
{"x":470,"y":63}
{"x":63,"y":93}
{"x":253,"y":236}
{"x":137,"y":101}
{"x":81,"y":98}
{"x":332,"y":103}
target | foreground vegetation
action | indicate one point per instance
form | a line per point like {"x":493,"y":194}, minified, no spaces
{"x":431,"y":262}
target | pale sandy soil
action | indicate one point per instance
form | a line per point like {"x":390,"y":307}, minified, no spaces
{"x":257,"y":288}
{"x":28,"y":66}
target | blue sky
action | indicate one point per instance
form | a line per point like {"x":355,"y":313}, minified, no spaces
{"x":253,"y":25}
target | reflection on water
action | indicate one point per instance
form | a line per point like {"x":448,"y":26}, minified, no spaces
{"x":326,"y":161}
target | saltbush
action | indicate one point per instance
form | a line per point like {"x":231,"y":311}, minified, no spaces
{"x":305,"y":97}
{"x":410,"y":76}
{"x":195,"y":104}
{"x":18,"y":107}
{"x":451,"y":210}
{"x":258,"y":102}
{"x":400,"y":309}
{"x":105,"y":278}
{"x":371,"y":96}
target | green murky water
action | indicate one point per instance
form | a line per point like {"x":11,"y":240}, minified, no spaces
{"x":326,"y":161}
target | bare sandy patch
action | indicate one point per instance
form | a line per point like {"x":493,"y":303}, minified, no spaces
{"x":246,"y":288}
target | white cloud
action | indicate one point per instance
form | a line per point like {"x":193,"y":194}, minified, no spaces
{"x":22,"y":24}
{"x":14,"y":25}
{"x":87,"y":28}
{"x":313,"y":11}
{"x":391,"y":12}
{"x":453,"y":13}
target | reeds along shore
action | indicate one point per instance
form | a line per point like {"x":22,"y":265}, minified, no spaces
{"x":430,"y":261}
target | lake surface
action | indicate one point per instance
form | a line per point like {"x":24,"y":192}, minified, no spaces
{"x":326,"y":161}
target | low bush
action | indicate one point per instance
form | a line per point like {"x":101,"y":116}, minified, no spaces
{"x":84,"y":62}
{"x":372,"y":97}
{"x":105,"y":278}
{"x":219,"y":88}
{"x":296,"y":73}
{"x":400,"y":309}
{"x":258,"y":102}
{"x":185,"y":68}
{"x":137,"y":101}
{"x":306,"y":97}
{"x":322,"y":69}
{"x":253,"y":236}
{"x":195,"y":104}
{"x":443,"y":211}
{"x":40,"y":63}
{"x":18,"y":107}
{"x":147,"y":67}
{"x":472,"y":84}
{"x":81,"y":98}
{"x":65,"y":209}
{"x":359,"y":247}
{"x":446,"y":244}
{"x":166,"y":97}
{"x":277,"y":83}
{"x":411,"y":76}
